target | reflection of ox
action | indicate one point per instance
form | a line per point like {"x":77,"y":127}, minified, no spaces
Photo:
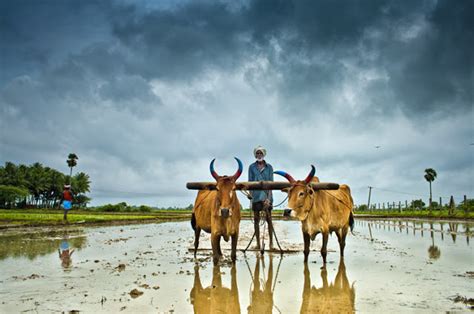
{"x":218,"y":212}
{"x":215,"y":298}
{"x":337,"y":297}
{"x":320,"y":211}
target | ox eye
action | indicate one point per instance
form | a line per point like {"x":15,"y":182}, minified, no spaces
{"x":301,"y":194}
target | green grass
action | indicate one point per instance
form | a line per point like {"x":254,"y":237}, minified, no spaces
{"x":51,"y":217}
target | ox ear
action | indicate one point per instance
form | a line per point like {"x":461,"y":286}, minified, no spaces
{"x":286,"y":190}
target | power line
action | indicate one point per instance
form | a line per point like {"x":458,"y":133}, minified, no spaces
{"x":407,"y":193}
{"x":393,"y":191}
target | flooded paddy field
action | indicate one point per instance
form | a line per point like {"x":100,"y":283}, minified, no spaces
{"x":390,"y":265}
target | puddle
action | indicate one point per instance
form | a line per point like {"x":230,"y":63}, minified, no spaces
{"x":399,"y":265}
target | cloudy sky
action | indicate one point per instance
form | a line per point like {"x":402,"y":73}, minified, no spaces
{"x":147,"y":93}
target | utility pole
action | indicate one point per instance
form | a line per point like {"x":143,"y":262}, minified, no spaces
{"x":368,"y":203}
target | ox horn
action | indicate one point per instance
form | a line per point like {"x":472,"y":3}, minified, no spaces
{"x":310,"y":175}
{"x":213,"y":173}
{"x":286,"y":175}
{"x":239,"y":171}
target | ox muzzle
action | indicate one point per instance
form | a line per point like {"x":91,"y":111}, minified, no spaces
{"x":225,"y":212}
{"x":287,"y":212}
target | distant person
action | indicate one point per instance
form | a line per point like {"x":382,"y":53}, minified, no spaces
{"x":260,"y":170}
{"x":65,"y":254}
{"x":66,"y":200}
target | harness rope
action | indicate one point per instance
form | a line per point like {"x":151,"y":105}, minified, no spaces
{"x":202,"y":200}
{"x":337,"y":199}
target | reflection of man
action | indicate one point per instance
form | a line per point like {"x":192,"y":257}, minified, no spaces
{"x":65,"y":254}
{"x":260,"y":170}
{"x":261,"y":300}
{"x":337,"y":297}
{"x":215,"y":298}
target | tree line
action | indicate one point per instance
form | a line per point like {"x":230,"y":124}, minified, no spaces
{"x":37,"y":186}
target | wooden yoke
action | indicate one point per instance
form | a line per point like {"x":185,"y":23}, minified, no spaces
{"x":260,"y":185}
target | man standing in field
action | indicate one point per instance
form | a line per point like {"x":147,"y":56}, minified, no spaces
{"x":262,"y":200}
{"x":66,"y":200}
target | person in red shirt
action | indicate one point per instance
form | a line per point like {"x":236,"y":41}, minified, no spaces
{"x":66,"y":200}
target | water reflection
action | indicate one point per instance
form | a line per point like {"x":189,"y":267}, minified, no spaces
{"x":65,"y":253}
{"x":261,"y":297}
{"x":215,"y":298}
{"x":454,"y":229}
{"x":433,"y":251}
{"x":337,"y":297}
{"x":16,"y":244}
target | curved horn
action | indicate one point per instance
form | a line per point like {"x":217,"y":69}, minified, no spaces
{"x":286,"y":175}
{"x":239,"y":171}
{"x":213,"y":173}
{"x":310,"y":175}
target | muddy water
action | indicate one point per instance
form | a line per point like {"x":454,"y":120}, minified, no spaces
{"x":393,"y":266}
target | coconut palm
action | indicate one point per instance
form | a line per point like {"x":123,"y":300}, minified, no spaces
{"x":81,"y":183}
{"x":71,"y":162}
{"x":430,"y":176}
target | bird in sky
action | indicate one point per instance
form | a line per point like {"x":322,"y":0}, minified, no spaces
{"x":378,"y":146}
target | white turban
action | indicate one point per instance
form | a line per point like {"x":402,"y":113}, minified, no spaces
{"x":259,"y":148}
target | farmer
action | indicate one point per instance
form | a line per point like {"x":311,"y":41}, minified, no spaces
{"x":66,"y":200}
{"x":261,"y":200}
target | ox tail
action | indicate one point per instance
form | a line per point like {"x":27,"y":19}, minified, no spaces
{"x":193,"y":221}
{"x":351,"y":220}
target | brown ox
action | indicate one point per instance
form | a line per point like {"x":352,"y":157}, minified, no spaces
{"x":321,"y":211}
{"x":215,"y":298}
{"x":337,"y":297}
{"x":218,"y":212}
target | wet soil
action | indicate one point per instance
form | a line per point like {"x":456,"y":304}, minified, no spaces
{"x":398,"y":266}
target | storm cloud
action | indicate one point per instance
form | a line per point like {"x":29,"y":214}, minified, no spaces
{"x":147,"y":93}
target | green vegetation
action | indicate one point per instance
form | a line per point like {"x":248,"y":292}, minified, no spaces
{"x":430,"y":176}
{"x":43,"y":186}
{"x":11,"y":217}
{"x":40,"y":243}
{"x":417,"y":209}
{"x":71,"y":162}
{"x":11,"y":195}
{"x":122,"y":207}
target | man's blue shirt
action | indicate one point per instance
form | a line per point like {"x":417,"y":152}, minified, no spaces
{"x":265,"y":174}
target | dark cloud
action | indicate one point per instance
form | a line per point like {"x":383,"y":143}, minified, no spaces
{"x":438,"y":70}
{"x":180,"y":44}
{"x":130,"y":92}
{"x":148,"y":93}
{"x":39,"y":34}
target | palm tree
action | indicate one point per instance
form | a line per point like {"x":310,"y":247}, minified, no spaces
{"x":81,"y":183}
{"x":71,"y":162}
{"x":430,"y":176}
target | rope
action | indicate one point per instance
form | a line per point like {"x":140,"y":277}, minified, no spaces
{"x":281,"y":202}
{"x":202,"y":200}
{"x":337,"y":199}
{"x":249,"y":242}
